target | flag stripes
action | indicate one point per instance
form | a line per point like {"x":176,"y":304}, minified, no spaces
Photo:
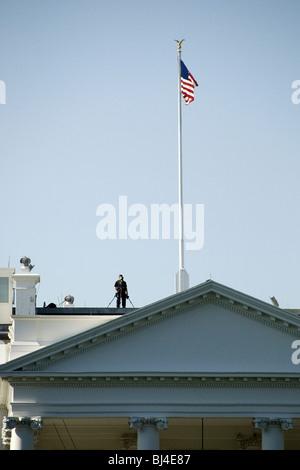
{"x":188,"y":84}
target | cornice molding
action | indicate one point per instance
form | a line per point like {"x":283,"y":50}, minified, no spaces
{"x":207,"y":293}
{"x":157,"y":317}
{"x":268,"y":319}
{"x":157,"y":380}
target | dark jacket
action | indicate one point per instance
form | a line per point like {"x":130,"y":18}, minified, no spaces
{"x":121,"y":287}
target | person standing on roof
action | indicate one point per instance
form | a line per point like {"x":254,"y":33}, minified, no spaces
{"x":121,"y":291}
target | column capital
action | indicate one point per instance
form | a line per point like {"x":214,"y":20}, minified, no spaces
{"x":263,"y":423}
{"x":11,"y":422}
{"x":138,"y":423}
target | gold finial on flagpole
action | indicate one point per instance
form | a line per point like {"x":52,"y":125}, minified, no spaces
{"x":179,"y":43}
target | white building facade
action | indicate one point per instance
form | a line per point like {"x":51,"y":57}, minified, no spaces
{"x":208,"y":368}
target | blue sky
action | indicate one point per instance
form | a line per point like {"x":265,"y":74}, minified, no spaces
{"x":91,"y":115}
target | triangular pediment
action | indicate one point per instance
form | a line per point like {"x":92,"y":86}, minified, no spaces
{"x":208,"y":329}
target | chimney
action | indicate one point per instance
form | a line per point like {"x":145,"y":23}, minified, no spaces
{"x":25,"y":291}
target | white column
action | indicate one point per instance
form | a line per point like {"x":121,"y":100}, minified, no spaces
{"x":273,"y":431}
{"x":148,"y":431}
{"x":22,"y":432}
{"x":22,"y":438}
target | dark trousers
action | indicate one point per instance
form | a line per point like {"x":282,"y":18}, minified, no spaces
{"x":123,"y":297}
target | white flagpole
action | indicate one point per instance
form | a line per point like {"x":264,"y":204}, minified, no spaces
{"x":182,"y":277}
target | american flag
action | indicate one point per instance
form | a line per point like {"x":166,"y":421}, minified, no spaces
{"x":187,"y":84}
